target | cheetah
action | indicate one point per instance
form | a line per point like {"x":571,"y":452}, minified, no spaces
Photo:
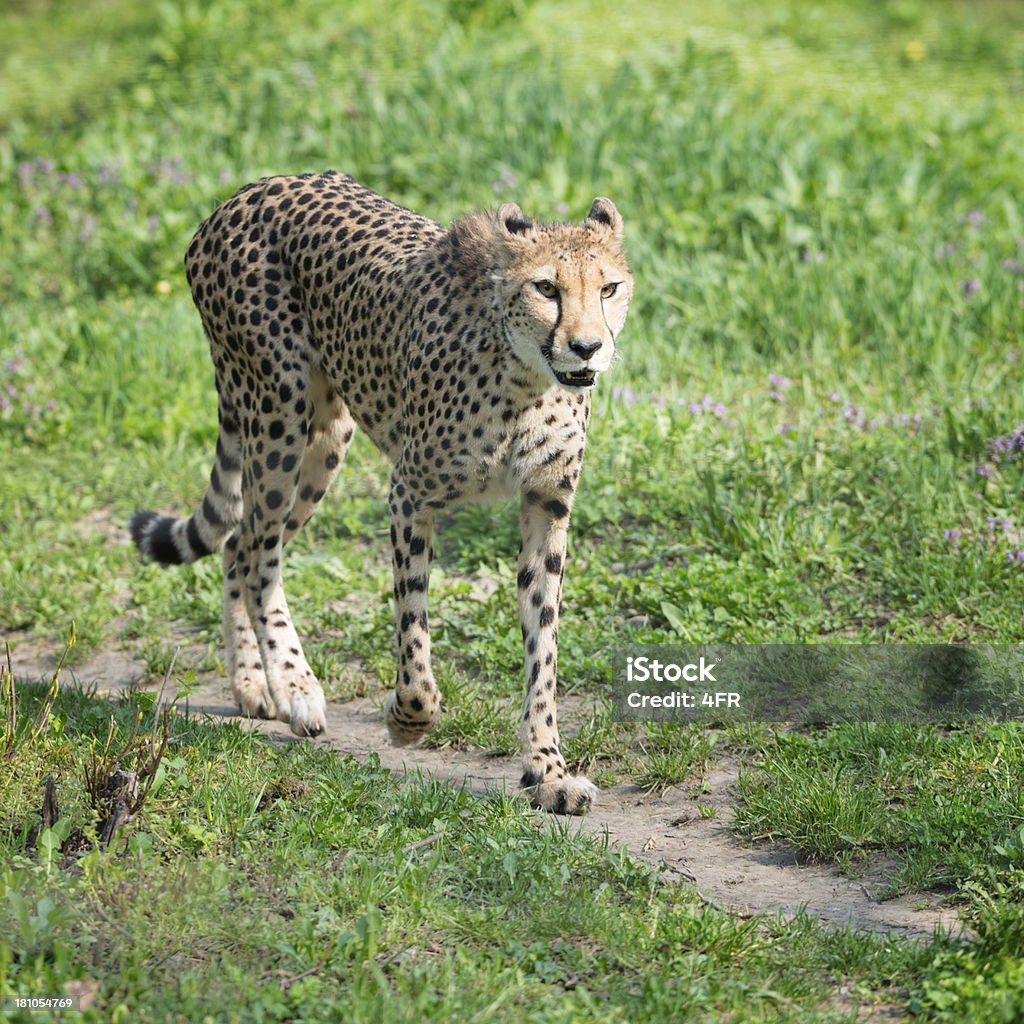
{"x":466,"y":354}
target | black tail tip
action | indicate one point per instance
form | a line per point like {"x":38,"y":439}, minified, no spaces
{"x":152,"y":535}
{"x":137,"y":524}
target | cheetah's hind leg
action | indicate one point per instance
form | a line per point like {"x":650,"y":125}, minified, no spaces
{"x":244,"y":664}
{"x":332,"y":428}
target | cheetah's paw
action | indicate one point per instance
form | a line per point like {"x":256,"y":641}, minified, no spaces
{"x":307,"y":715}
{"x":403,"y":730}
{"x":253,"y":698}
{"x":570,"y":795}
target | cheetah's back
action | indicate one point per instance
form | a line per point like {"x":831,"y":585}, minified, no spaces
{"x":298,"y":274}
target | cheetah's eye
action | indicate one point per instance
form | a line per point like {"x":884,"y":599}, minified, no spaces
{"x":609,"y":290}
{"x":547,"y":288}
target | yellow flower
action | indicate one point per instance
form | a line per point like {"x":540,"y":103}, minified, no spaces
{"x":163,"y":287}
{"x":914,"y":50}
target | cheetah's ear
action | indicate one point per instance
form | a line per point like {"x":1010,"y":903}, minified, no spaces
{"x":603,"y":214}
{"x":511,"y":220}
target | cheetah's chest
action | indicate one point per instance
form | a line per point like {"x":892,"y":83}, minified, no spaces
{"x":539,"y":448}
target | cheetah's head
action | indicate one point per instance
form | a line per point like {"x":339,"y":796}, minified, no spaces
{"x":563,"y":291}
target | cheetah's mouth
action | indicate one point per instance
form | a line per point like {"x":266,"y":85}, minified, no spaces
{"x":576,"y":378}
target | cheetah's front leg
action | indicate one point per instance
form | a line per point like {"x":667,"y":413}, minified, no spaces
{"x":543,"y":522}
{"x":412,"y":707}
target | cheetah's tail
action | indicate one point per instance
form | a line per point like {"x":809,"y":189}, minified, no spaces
{"x":173,"y":541}
{"x":168,"y":540}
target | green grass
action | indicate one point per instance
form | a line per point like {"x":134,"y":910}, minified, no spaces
{"x":943,"y":800}
{"x":827,"y":236}
{"x":328,"y":889}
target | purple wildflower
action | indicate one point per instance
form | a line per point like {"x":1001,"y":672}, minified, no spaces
{"x":975,"y":218}
{"x":108,"y":173}
{"x":987,"y":470}
{"x":707,"y":405}
{"x":1013,"y":266}
{"x":1007,"y":446}
{"x":43,"y":215}
{"x":853,"y":414}
{"x":778,"y":381}
{"x":970,"y":287}
{"x":776,"y":396}
{"x":169,"y":169}
{"x":507,"y":182}
{"x":785,"y":429}
{"x":951,"y":535}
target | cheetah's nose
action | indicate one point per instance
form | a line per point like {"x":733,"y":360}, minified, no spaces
{"x":585,"y":347}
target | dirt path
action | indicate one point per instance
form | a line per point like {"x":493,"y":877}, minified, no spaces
{"x":665,"y":829}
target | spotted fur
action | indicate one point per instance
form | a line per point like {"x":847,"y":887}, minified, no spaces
{"x":467,"y":356}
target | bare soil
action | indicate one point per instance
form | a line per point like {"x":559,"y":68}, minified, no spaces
{"x":664,"y":829}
